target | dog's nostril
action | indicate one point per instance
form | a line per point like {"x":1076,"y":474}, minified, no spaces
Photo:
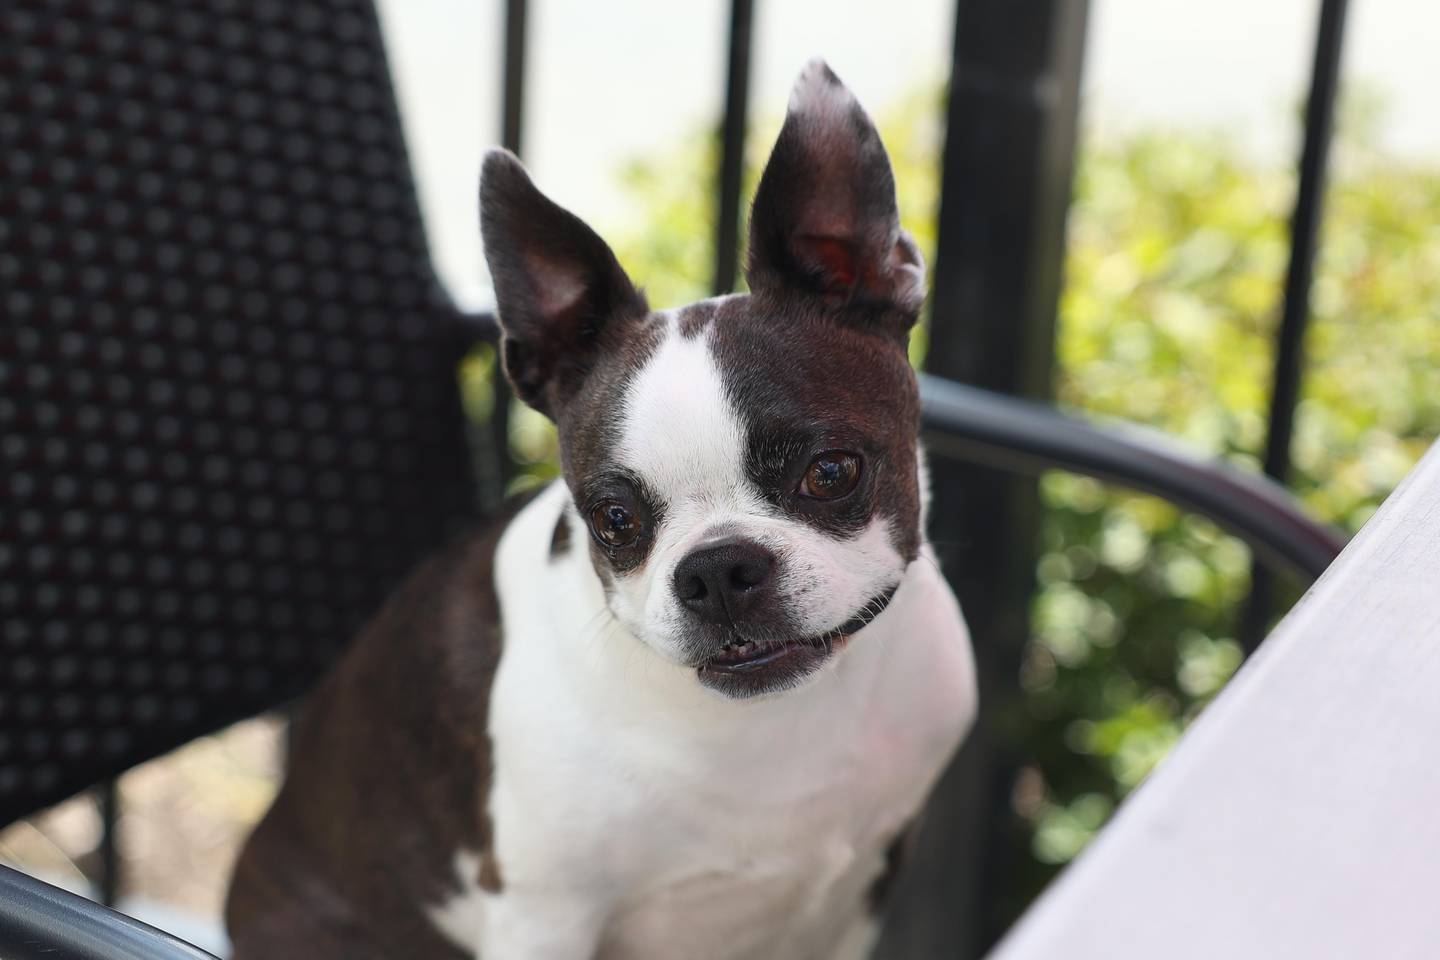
{"x":692,"y":588}
{"x":746,"y":575}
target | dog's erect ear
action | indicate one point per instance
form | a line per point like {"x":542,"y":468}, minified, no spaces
{"x":561,"y":294}
{"x":824,"y":218}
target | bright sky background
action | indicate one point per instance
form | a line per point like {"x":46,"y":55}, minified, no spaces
{"x":607,"y":82}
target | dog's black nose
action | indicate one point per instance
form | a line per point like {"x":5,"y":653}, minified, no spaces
{"x":726,"y":582}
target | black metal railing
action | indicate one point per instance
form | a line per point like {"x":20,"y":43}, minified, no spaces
{"x":732,"y":146}
{"x":512,"y":92}
{"x":1295,"y":309}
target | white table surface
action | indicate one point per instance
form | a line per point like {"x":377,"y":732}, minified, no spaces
{"x":1300,"y":815}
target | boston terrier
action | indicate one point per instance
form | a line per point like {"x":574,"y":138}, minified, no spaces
{"x":687,"y":701}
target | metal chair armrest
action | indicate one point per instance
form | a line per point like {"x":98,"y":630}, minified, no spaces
{"x":41,"y":922}
{"x":1023,"y":436}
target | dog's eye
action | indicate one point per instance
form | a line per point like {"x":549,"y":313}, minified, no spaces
{"x":614,"y":525}
{"x":831,"y":475}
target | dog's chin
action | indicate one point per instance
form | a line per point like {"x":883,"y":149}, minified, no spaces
{"x":745,"y":668}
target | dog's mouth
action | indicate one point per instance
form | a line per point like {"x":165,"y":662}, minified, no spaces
{"x":745,"y":667}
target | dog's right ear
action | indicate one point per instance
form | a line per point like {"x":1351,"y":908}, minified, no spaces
{"x":561,"y":294}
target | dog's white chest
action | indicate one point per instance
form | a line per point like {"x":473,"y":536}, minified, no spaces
{"x":776,"y":867}
{"x":657,"y":820}
{"x":796,"y":901}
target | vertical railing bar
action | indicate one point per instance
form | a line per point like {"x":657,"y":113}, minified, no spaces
{"x":514,"y":86}
{"x":512,"y":115}
{"x":110,"y":879}
{"x":1305,"y":225}
{"x":732,"y":146}
{"x":1304,"y":236}
{"x":1005,"y":179}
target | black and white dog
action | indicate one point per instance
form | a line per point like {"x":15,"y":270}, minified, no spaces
{"x":685,"y":702}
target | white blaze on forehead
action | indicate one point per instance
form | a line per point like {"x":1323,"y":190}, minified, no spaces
{"x":679,"y":431}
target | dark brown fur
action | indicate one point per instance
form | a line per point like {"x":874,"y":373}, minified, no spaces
{"x":389,"y":774}
{"x":806,"y":378}
{"x":588,"y":428}
{"x":560,"y":539}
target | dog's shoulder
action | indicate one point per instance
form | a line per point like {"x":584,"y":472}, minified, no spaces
{"x":388,"y":771}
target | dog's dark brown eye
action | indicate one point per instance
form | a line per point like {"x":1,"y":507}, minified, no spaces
{"x":614,"y":525}
{"x":831,"y":475}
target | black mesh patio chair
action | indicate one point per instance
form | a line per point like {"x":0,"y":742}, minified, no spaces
{"x":228,"y":401}
{"x":229,"y":415}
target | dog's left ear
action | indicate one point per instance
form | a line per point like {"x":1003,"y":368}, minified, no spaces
{"x":824,"y":218}
{"x":561,"y":294}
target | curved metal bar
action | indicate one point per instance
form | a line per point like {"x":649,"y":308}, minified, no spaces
{"x":1028,"y":437}
{"x":41,"y":922}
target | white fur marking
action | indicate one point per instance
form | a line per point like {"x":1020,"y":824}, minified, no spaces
{"x":460,"y":918}
{"x":682,"y":435}
{"x":679,"y":431}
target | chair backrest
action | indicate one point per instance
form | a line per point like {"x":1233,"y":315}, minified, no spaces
{"x":229,"y":417}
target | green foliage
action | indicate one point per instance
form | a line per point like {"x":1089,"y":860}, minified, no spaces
{"x":533,"y":445}
{"x":1177,"y":252}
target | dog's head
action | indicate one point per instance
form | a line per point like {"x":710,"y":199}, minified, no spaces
{"x":746,"y":468}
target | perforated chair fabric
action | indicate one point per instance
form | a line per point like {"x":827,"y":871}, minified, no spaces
{"x":228,"y":412}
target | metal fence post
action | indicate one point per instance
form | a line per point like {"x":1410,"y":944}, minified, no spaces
{"x":1295,"y":310}
{"x":1005,"y":190}
{"x":511,"y":127}
{"x":732,"y":146}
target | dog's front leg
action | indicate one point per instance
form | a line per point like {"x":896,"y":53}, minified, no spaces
{"x":541,"y":925}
